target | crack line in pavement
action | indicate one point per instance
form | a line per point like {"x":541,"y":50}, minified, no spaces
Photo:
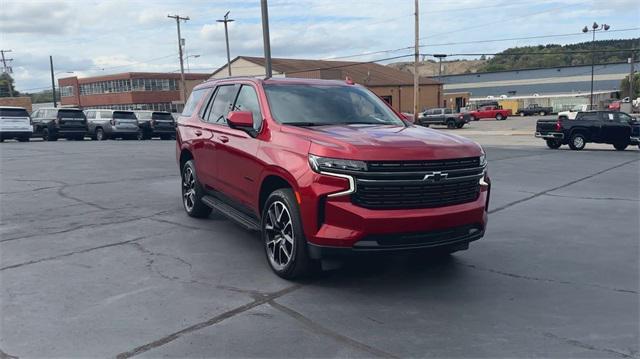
{"x":580,"y":344}
{"x":71,"y":253}
{"x":266,"y":297}
{"x":593,"y":198}
{"x":319,"y":329}
{"x":89,"y":225}
{"x":182,"y":225}
{"x":518,"y":276}
{"x":4,"y":355}
{"x":538,"y":194}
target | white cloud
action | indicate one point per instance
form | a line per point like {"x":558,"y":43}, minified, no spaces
{"x":136,"y":35}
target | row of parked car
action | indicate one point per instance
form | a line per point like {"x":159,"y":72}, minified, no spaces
{"x":74,"y":124}
{"x":451,"y":119}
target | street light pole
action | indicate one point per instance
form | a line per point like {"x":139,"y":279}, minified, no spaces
{"x":226,"y":37}
{"x":595,"y":27}
{"x":265,"y":38}
{"x":416,"y":58}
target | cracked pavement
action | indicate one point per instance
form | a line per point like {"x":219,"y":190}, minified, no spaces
{"x":98,"y":259}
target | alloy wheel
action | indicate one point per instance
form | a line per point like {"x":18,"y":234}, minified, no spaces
{"x":279,"y":235}
{"x":188,"y":189}
{"x":578,"y":141}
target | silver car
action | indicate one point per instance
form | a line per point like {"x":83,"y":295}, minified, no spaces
{"x":105,"y":124}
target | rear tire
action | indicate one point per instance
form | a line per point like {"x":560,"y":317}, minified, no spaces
{"x":499,"y":117}
{"x":542,"y":113}
{"x":460,"y":125}
{"x":24,"y":139}
{"x":192,"y":192}
{"x":521,"y":114}
{"x":284,"y":241}
{"x":577,"y":142}
{"x":472,"y":118}
{"x":620,"y":146}
{"x":554,"y":144}
{"x":165,"y":137}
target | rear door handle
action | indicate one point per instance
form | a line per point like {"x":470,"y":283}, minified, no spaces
{"x":198,"y":132}
{"x":224,"y":139}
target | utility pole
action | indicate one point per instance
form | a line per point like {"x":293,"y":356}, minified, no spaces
{"x":416,"y":58}
{"x":265,"y":38}
{"x":631,"y":78}
{"x":182,"y":83}
{"x":7,"y":69}
{"x":226,"y":37}
{"x":53,"y":81}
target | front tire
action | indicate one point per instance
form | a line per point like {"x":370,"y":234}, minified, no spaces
{"x":473,"y":118}
{"x":451,"y":124}
{"x":192,"y":192}
{"x":165,"y":137}
{"x":24,"y":139}
{"x":542,"y":113}
{"x":284,"y":241}
{"x":460,"y":125}
{"x":620,"y":146}
{"x":48,"y":136}
{"x":577,"y":142}
{"x":499,"y":117}
{"x":100,"y":135}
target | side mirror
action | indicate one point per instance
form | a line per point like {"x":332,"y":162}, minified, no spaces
{"x":241,"y":120}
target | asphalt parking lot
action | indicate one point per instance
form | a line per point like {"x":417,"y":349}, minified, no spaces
{"x":98,"y":259}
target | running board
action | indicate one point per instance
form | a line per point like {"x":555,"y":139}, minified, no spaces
{"x":243,"y":219}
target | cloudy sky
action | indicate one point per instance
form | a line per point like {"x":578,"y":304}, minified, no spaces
{"x":103,"y":37}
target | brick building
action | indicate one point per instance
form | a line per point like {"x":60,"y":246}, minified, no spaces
{"x":394,"y":86}
{"x":129,"y":90}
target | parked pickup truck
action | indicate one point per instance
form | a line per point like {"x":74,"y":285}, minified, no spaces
{"x":534,"y":109}
{"x":442,"y":116}
{"x":610,"y":127}
{"x":489,"y":112}
{"x":571,"y":114}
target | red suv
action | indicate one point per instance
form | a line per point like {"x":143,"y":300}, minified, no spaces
{"x":324,"y":168}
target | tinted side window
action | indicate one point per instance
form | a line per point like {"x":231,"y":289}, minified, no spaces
{"x":105,"y":114}
{"x":623,"y":117}
{"x":448,"y":111}
{"x":589,"y":116}
{"x":192,"y":102}
{"x":91,"y":114}
{"x":248,"y":101}
{"x":222,"y":102}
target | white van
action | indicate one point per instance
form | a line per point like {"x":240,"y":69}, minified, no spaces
{"x":15,"y":123}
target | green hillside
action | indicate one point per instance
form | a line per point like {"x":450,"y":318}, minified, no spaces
{"x":560,"y":55}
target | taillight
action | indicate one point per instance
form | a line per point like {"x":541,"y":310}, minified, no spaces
{"x":57,"y":121}
{"x":112,"y":121}
{"x":559,"y":125}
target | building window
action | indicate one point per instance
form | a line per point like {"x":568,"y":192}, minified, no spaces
{"x":66,"y":91}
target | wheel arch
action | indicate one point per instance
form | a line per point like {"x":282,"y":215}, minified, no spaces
{"x":185,"y":155}
{"x":270,"y":183}
{"x":581,"y":130}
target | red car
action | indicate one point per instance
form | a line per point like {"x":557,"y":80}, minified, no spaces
{"x":324,"y":168}
{"x":489,"y":112}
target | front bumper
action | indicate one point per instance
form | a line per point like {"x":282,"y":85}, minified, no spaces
{"x":550,"y":135}
{"x":336,"y":224}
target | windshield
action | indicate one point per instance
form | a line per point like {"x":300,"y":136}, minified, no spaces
{"x":162,"y":116}
{"x":577,"y":108}
{"x":124,"y":115}
{"x":327,"y":105}
{"x":71,"y":114}
{"x":13,"y":112}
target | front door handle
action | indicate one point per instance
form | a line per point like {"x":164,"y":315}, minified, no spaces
{"x":198,"y":132}
{"x":224,"y":139}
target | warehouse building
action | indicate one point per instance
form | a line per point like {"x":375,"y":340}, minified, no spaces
{"x":558,"y":87}
{"x":394,"y":86}
{"x":128,"y":91}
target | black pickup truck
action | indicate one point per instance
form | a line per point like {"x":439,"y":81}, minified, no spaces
{"x":609,"y":127}
{"x":534,"y":109}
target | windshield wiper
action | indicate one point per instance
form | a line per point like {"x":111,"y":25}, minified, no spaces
{"x":304,"y":124}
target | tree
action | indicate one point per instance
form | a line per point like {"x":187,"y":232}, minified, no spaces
{"x":624,"y":86}
{"x":6,"y":86}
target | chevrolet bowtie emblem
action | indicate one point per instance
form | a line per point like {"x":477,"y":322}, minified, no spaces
{"x":435,"y":176}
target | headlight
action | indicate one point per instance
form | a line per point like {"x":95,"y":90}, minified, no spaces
{"x":483,"y":160}
{"x":319,"y":164}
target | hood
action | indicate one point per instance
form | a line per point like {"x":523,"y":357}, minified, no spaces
{"x":386,"y":142}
